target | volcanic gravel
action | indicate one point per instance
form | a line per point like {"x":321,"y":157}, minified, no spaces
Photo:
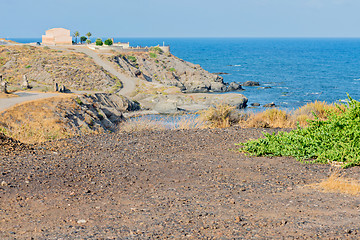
{"x":180,"y":184}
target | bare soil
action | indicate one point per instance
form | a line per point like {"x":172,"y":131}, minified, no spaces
{"x":182,"y":184}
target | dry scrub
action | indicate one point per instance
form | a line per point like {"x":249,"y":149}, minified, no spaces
{"x":44,"y":66}
{"x":151,"y":124}
{"x":339,"y":184}
{"x":276,"y":118}
{"x":218,"y":116}
{"x":48,"y":119}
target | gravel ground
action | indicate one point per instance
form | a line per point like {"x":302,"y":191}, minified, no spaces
{"x":180,"y":184}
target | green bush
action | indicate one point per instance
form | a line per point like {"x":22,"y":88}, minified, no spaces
{"x":336,"y":139}
{"x":156,"y":50}
{"x":152,"y":55}
{"x":131,"y":58}
{"x":172,"y":69}
{"x":99,"y":42}
{"x":108,"y":42}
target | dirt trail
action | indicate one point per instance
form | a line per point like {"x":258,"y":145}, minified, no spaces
{"x":183,"y":184}
{"x":129,"y":83}
{"x":6,"y":103}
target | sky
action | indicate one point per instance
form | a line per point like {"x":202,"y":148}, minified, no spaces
{"x":182,"y":18}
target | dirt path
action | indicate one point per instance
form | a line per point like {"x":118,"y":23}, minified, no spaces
{"x":129,"y":83}
{"x":183,"y":184}
{"x":23,"y":97}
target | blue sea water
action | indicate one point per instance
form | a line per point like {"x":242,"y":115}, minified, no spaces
{"x":297,"y":71}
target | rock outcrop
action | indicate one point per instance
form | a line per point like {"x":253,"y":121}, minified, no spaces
{"x":250,"y":84}
{"x":172,"y":71}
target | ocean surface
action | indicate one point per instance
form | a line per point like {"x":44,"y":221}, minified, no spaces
{"x":297,"y":71}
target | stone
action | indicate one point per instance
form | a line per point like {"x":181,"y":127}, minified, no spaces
{"x":25,"y":83}
{"x":234,"y":86}
{"x":217,"y":87}
{"x":56,"y":87}
{"x":250,"y":84}
{"x":81,"y":221}
{"x":255,"y":104}
{"x":137,"y":73}
{"x":3,"y":85}
{"x":269,"y":105}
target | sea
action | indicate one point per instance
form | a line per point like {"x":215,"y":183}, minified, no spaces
{"x":291,"y":71}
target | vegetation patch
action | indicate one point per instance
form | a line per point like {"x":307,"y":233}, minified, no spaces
{"x":338,"y":184}
{"x":156,"y":50}
{"x":336,"y":139}
{"x":152,"y":55}
{"x":218,"y":116}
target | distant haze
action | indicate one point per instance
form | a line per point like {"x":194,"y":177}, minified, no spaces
{"x":185,"y":18}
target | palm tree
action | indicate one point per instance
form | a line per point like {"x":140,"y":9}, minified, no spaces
{"x":76,"y":34}
{"x":88,"y":35}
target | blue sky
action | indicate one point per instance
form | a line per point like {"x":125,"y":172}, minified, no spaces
{"x":183,"y":18}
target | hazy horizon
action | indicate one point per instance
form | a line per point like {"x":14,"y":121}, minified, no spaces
{"x":185,"y":19}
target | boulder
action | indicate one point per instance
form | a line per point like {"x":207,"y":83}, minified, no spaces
{"x":234,"y":86}
{"x":255,"y":104}
{"x":137,"y":73}
{"x":112,"y":100}
{"x":250,"y":84}
{"x":217,"y":87}
{"x":269,"y":105}
{"x":25,"y":83}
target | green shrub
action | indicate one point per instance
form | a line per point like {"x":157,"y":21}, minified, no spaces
{"x":152,"y":55}
{"x":108,"y":42}
{"x":172,"y":69}
{"x":99,"y":42}
{"x":28,"y":66}
{"x":78,"y":101}
{"x":131,"y":58}
{"x":156,"y":50}
{"x":336,"y":139}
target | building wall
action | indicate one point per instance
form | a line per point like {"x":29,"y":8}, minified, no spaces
{"x":57,"y":36}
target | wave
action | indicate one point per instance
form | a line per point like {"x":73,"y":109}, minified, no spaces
{"x":356,"y":79}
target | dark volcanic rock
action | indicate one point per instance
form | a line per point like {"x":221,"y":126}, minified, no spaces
{"x":269,"y":105}
{"x":250,"y":84}
{"x":234,"y":86}
{"x":255,"y":104}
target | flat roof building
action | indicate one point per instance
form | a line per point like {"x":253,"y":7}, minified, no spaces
{"x":57,"y":36}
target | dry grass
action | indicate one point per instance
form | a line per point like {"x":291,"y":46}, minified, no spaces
{"x":148,"y":124}
{"x":275,"y":118}
{"x":35,"y":121}
{"x":141,"y":124}
{"x":306,"y":112}
{"x":44,"y":120}
{"x":271,"y":118}
{"x":45,"y":66}
{"x":218,"y":116}
{"x":190,"y":122}
{"x":339,"y":184}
